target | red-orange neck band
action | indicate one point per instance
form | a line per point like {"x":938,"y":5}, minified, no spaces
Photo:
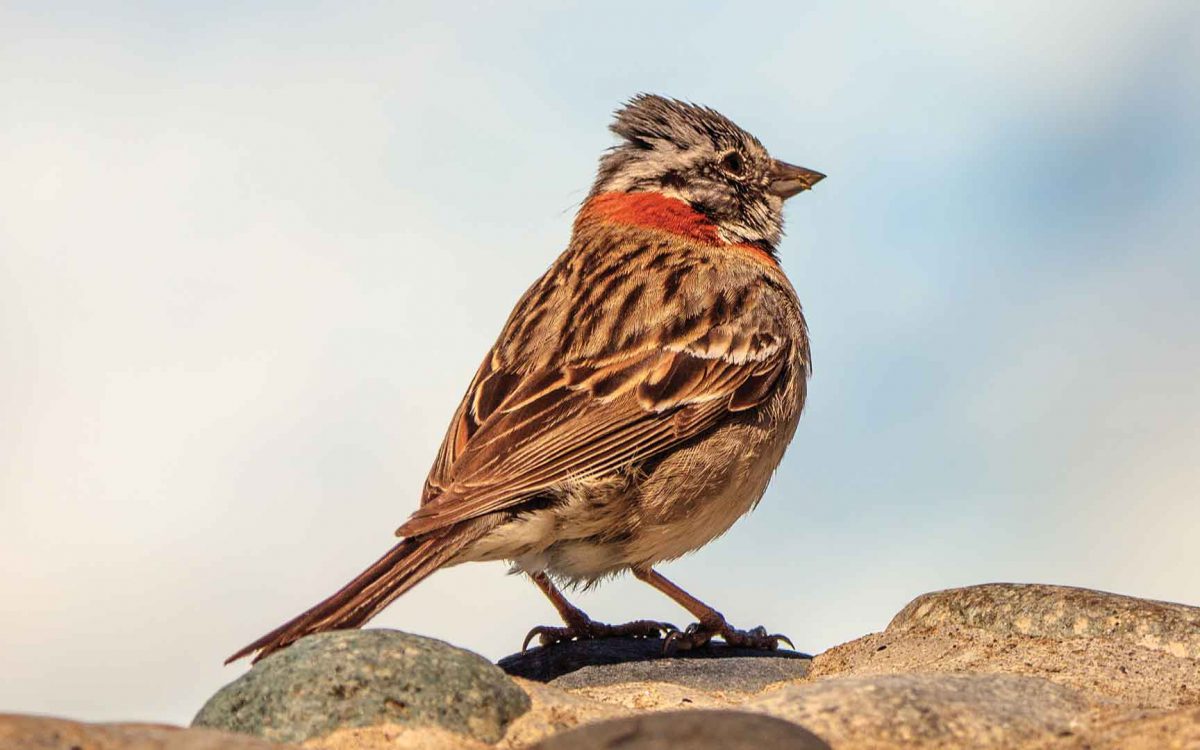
{"x":654,"y":211}
{"x":657,"y":211}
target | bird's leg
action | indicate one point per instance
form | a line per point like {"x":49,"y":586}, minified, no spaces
{"x":711,"y":622}
{"x":581,"y":627}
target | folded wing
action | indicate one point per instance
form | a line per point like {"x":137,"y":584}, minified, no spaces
{"x":518,"y":434}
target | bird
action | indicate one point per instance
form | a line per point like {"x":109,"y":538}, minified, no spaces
{"x":638,"y":399}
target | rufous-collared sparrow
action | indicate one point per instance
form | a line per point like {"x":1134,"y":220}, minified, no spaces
{"x":639,"y":397}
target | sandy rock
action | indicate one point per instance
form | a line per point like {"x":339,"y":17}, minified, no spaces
{"x":393,"y":737}
{"x":1125,"y":675}
{"x":1149,"y":730}
{"x":360,"y":678}
{"x":1059,"y":612}
{"x":1031,"y":630}
{"x":922,"y":711}
{"x":695,"y":730}
{"x":554,"y":711}
{"x":661,"y":696}
{"x":18,"y":732}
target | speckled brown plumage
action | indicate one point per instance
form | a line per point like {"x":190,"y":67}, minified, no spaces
{"x":639,"y":396}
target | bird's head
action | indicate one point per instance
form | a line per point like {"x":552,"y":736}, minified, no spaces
{"x":699,"y":156}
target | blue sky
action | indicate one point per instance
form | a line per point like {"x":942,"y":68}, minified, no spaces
{"x":250,"y":256}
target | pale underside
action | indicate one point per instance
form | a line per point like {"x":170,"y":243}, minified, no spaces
{"x":637,"y":519}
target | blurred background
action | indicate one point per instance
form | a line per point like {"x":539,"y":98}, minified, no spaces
{"x":250,"y":256}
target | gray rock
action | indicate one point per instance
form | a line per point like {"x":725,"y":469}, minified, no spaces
{"x":357,"y":678}
{"x":618,"y":660}
{"x":1059,"y":612}
{"x":695,"y":730}
{"x":928,"y":710}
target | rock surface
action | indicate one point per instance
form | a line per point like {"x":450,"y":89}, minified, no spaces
{"x":742,"y":674}
{"x":1152,"y":730}
{"x":929,"y":711}
{"x":45,"y":733}
{"x":361,"y":678}
{"x":1114,"y":648}
{"x":555,"y":711}
{"x":999,"y":665}
{"x":694,"y":730}
{"x":1060,"y":612}
{"x":394,"y":737}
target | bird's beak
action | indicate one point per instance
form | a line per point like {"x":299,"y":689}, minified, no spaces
{"x":788,"y":179}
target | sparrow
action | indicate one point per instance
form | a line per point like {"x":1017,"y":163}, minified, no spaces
{"x":638,"y":399}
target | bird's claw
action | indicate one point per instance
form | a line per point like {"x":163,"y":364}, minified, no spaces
{"x":546,"y":634}
{"x":549,"y":635}
{"x":698,"y":635}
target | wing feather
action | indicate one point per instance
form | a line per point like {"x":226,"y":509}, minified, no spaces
{"x":589,"y":377}
{"x":582,"y":421}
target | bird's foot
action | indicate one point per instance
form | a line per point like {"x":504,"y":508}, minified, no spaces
{"x":699,"y":634}
{"x":586,"y":630}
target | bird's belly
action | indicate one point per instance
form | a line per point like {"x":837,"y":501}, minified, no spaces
{"x":650,"y":513}
{"x":686,"y":500}
{"x":692,"y":498}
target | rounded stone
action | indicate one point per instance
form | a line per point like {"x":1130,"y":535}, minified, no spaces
{"x":905,"y":711}
{"x":695,"y":730}
{"x":1059,"y":612}
{"x":358,"y":678}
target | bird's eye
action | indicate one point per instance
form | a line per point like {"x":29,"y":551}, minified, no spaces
{"x":733,"y":163}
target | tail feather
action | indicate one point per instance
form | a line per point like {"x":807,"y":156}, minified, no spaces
{"x":402,"y":567}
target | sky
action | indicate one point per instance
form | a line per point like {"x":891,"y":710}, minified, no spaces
{"x":251,"y":254}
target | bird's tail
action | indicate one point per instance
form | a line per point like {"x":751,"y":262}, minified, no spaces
{"x":404,"y":566}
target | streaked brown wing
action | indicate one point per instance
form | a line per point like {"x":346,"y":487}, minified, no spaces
{"x":514,"y":436}
{"x":465,"y":423}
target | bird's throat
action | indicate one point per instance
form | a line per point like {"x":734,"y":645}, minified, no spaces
{"x":653,"y":211}
{"x":663,"y":213}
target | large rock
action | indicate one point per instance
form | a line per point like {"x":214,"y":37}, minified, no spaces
{"x":338,"y":681}
{"x":695,"y":730}
{"x":1060,"y":612}
{"x":1116,"y":649}
{"x":918,"y":711}
{"x":19,"y":732}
